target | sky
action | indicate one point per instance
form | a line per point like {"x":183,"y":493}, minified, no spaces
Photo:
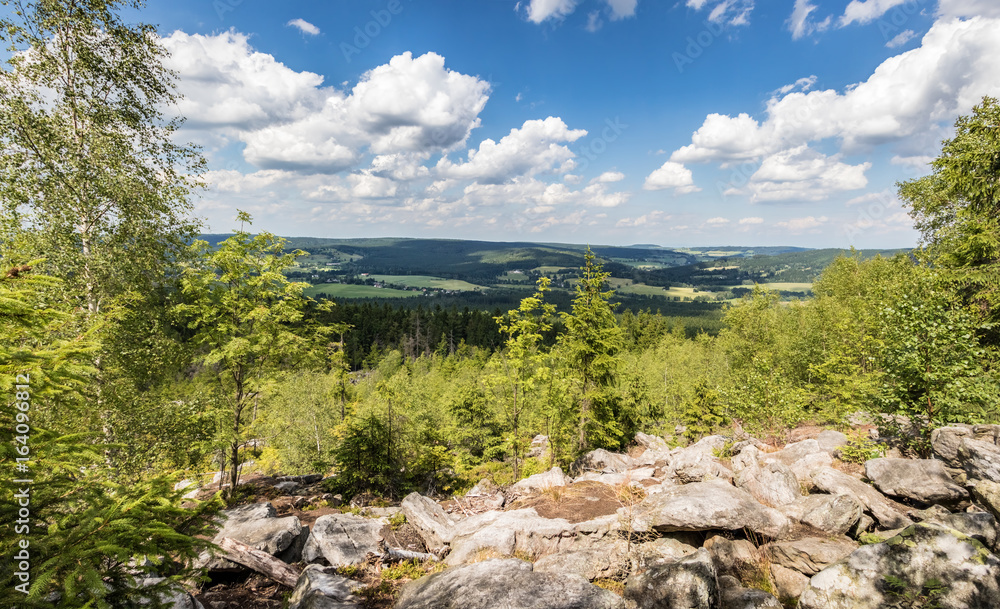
{"x":669,"y":122}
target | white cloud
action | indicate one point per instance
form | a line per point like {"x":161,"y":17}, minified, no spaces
{"x":534,"y":148}
{"x":730,"y":12}
{"x":751,"y":221}
{"x":802,"y":174}
{"x":866,"y":11}
{"x":400,"y":166}
{"x":917,"y":163}
{"x":901,"y":39}
{"x":797,"y":226}
{"x":536,"y":196}
{"x":968,"y":8}
{"x":799,"y":22}
{"x":653,"y":218}
{"x":288,"y":120}
{"x":608,"y":177}
{"x":671,"y":175}
{"x":621,"y":9}
{"x":907,"y":99}
{"x":542,"y":10}
{"x":594,"y":21}
{"x":715,"y":222}
{"x":304,"y":26}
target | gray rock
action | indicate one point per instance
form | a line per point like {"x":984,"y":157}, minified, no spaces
{"x":506,"y":532}
{"x":794,"y":452}
{"x":507,"y":583}
{"x":256,"y":525}
{"x":591,"y":559}
{"x":697,"y":463}
{"x":945,"y":442}
{"x":923,"y":480}
{"x":830,"y":440}
{"x":981,"y":460}
{"x":732,"y":556}
{"x":749,"y":456}
{"x":987,"y":493}
{"x":287,"y":487}
{"x":689,"y":583}
{"x":654,"y":443}
{"x":888,"y":513}
{"x":773,"y":484}
{"x":809,"y":555}
{"x":174,"y":597}
{"x":804,"y":467}
{"x":435,"y":526}
{"x":980,"y":526}
{"x":970,"y":574}
{"x":788,"y":583}
{"x":343,"y":539}
{"x":293,"y":553}
{"x":704,"y":506}
{"x":658,"y":551}
{"x":321,"y":588}
{"x":833,"y":514}
{"x":603,"y":461}
{"x":748,"y":598}
{"x":539,"y":482}
{"x":539,"y":447}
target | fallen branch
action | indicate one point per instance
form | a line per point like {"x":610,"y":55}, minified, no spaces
{"x":259,"y":561}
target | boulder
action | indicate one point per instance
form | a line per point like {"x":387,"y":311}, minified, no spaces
{"x":981,"y":460}
{"x":173,"y":597}
{"x":654,"y":443}
{"x":658,"y":551}
{"x":258,"y":526}
{"x":435,"y":526}
{"x":945,"y":442}
{"x":539,"y":447}
{"x":809,"y":555}
{"x":696,"y":466}
{"x":507,"y":583}
{"x":788,"y":583}
{"x":804,"y":467}
{"x":504,"y":533}
{"x":980,"y":526}
{"x":322,"y":588}
{"x":738,"y":597}
{"x":539,"y":482}
{"x":884,"y":574}
{"x":689,"y":583}
{"x":749,"y":456}
{"x":287,"y":487}
{"x":923,"y":480}
{"x":343,"y":539}
{"x":987,"y":493}
{"x":833,"y":514}
{"x":888,"y":513}
{"x":830,"y":440}
{"x":732,"y":556}
{"x":773,"y":484}
{"x":591,"y":559}
{"x":794,"y":452}
{"x":603,"y":461}
{"x":633,"y":477}
{"x":704,"y":506}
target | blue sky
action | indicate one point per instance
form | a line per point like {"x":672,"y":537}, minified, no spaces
{"x":684,"y":122}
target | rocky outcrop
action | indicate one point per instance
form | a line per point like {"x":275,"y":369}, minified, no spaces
{"x":588,"y":558}
{"x":888,"y":513}
{"x":774,"y":484}
{"x":603,"y":461}
{"x":809,"y":555}
{"x":689,"y":583}
{"x":258,"y":526}
{"x":503,"y":533}
{"x":343,"y":539}
{"x":704,"y":506}
{"x":507,"y":583}
{"x":539,"y":482}
{"x":945,"y":442}
{"x":981,"y":460}
{"x":883,"y":574}
{"x":923,"y":480}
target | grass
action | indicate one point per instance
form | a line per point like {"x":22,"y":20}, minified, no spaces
{"x":344,"y":290}
{"x":426,"y":281}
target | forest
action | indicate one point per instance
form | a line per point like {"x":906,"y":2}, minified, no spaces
{"x":133,"y":354}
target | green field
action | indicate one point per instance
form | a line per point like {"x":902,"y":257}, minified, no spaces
{"x":426,"y":281}
{"x":784,"y":287}
{"x":344,"y":290}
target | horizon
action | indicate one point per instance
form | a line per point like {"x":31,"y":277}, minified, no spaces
{"x":612,"y":121}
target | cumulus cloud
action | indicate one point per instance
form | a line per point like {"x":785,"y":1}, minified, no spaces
{"x":803,"y":174}
{"x":800,"y":23}
{"x":653,"y":218}
{"x":905,"y":101}
{"x":671,"y":175}
{"x":621,"y":9}
{"x":534,"y":148}
{"x":304,"y":26}
{"x":751,"y":221}
{"x":797,"y":226}
{"x":866,"y":11}
{"x":608,"y":177}
{"x":538,"y":11}
{"x":288,"y":120}
{"x":968,"y":8}
{"x":901,"y":39}
{"x":716,"y":222}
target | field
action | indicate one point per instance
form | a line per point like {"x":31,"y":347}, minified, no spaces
{"x":344,"y":290}
{"x":427,"y":281}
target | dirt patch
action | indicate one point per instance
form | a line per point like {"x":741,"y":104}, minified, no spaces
{"x":251,"y":591}
{"x":804,"y":432}
{"x":577,"y":502}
